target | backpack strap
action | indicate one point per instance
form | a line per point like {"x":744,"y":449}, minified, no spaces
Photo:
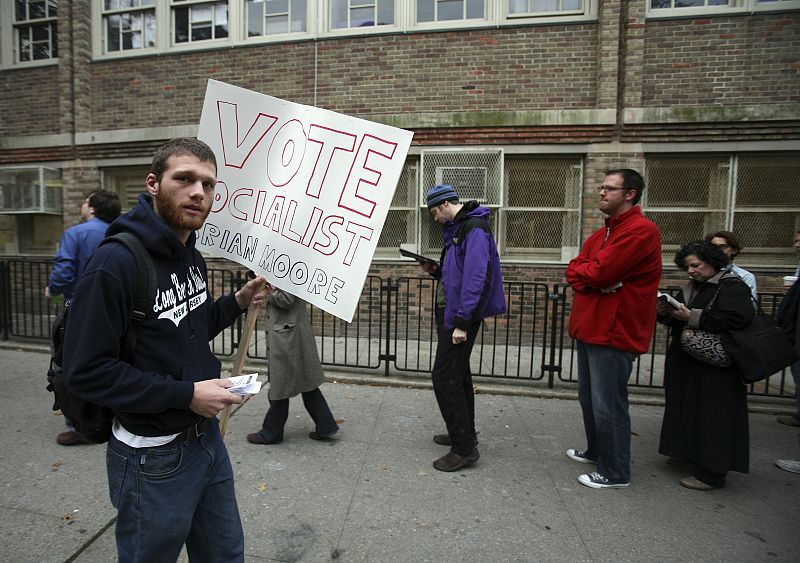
{"x":146,"y":284}
{"x":466,"y":226}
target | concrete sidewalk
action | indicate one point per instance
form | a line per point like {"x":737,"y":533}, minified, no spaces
{"x":372,"y":495}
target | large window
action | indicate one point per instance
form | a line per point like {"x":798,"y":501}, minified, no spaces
{"x":449,"y":10}
{"x":199,"y":21}
{"x":276,"y":17}
{"x":400,"y":228}
{"x":35,"y":30}
{"x":755,"y":196}
{"x":670,"y":8}
{"x":154,"y":25}
{"x":145,"y":27}
{"x":535,"y":202}
{"x":30,"y":210}
{"x":541,"y":216}
{"x":361,"y":13}
{"x":544,"y":7}
{"x":128,"y":25}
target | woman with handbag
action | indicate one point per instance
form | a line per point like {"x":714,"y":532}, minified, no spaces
{"x":705,"y":417}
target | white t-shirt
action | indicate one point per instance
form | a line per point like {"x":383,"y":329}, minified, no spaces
{"x":135,"y":441}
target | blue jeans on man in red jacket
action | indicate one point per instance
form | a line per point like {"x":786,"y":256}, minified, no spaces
{"x":603,"y":374}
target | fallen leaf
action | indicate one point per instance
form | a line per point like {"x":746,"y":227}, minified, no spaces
{"x":339,"y":421}
{"x":423,"y":522}
{"x":67,"y":518}
{"x":383,"y":466}
{"x":422,"y":474}
{"x":56,"y":465}
{"x":261,"y":487}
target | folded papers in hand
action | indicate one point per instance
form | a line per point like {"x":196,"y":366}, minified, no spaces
{"x":245,"y":384}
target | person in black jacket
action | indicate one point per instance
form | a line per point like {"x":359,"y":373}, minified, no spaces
{"x":169,"y":475}
{"x":705,"y":416}
{"x":787,"y":318}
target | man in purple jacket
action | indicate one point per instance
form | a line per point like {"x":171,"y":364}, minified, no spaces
{"x":470,"y":289}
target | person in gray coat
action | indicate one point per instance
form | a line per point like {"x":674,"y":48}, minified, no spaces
{"x":294,"y":369}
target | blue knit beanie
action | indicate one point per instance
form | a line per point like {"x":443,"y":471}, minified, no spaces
{"x":439,"y":194}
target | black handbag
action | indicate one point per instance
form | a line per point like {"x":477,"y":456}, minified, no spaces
{"x":760,"y":349}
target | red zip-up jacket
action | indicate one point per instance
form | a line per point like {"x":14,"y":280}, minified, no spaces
{"x":627,"y":251}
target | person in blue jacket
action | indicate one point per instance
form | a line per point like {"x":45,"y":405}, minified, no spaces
{"x":169,"y":475}
{"x":470,"y":289}
{"x":78,"y":243}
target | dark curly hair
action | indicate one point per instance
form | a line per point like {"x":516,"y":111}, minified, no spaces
{"x":705,"y":251}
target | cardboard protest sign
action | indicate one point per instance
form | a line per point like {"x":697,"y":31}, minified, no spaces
{"x":302,"y":192}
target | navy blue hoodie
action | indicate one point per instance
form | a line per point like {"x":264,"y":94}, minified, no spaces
{"x":150,"y":393}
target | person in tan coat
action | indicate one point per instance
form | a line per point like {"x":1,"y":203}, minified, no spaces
{"x":294,"y":369}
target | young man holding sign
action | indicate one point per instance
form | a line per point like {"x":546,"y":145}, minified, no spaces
{"x":470,"y":290}
{"x":169,"y":475}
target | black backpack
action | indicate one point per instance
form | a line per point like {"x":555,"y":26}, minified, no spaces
{"x":91,"y":420}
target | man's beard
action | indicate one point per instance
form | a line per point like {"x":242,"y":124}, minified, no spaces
{"x":172,"y":214}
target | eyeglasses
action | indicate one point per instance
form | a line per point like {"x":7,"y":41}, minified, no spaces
{"x":601,"y":189}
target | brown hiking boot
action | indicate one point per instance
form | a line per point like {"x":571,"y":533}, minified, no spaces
{"x":453,"y":462}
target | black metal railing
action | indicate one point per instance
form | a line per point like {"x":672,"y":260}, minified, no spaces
{"x":394,"y":330}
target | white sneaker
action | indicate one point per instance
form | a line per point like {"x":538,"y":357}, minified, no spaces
{"x":789,"y":465}
{"x":597,"y":481}
{"x":579,"y":456}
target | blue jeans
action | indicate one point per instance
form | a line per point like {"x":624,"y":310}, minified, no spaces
{"x":174,"y":494}
{"x":277,"y":414}
{"x":603,"y":394}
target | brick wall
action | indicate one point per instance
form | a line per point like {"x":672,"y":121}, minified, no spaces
{"x":722,"y":60}
{"x":79,"y":180}
{"x":29,"y":101}
{"x":516,"y":69}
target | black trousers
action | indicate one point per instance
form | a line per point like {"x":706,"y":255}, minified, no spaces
{"x":278,"y":413}
{"x":452,"y":384}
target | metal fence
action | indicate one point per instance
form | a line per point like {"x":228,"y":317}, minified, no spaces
{"x":394,"y":331}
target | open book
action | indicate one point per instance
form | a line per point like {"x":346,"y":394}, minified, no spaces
{"x":669,"y":300}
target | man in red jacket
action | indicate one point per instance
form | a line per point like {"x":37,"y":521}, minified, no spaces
{"x":615,"y":280}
